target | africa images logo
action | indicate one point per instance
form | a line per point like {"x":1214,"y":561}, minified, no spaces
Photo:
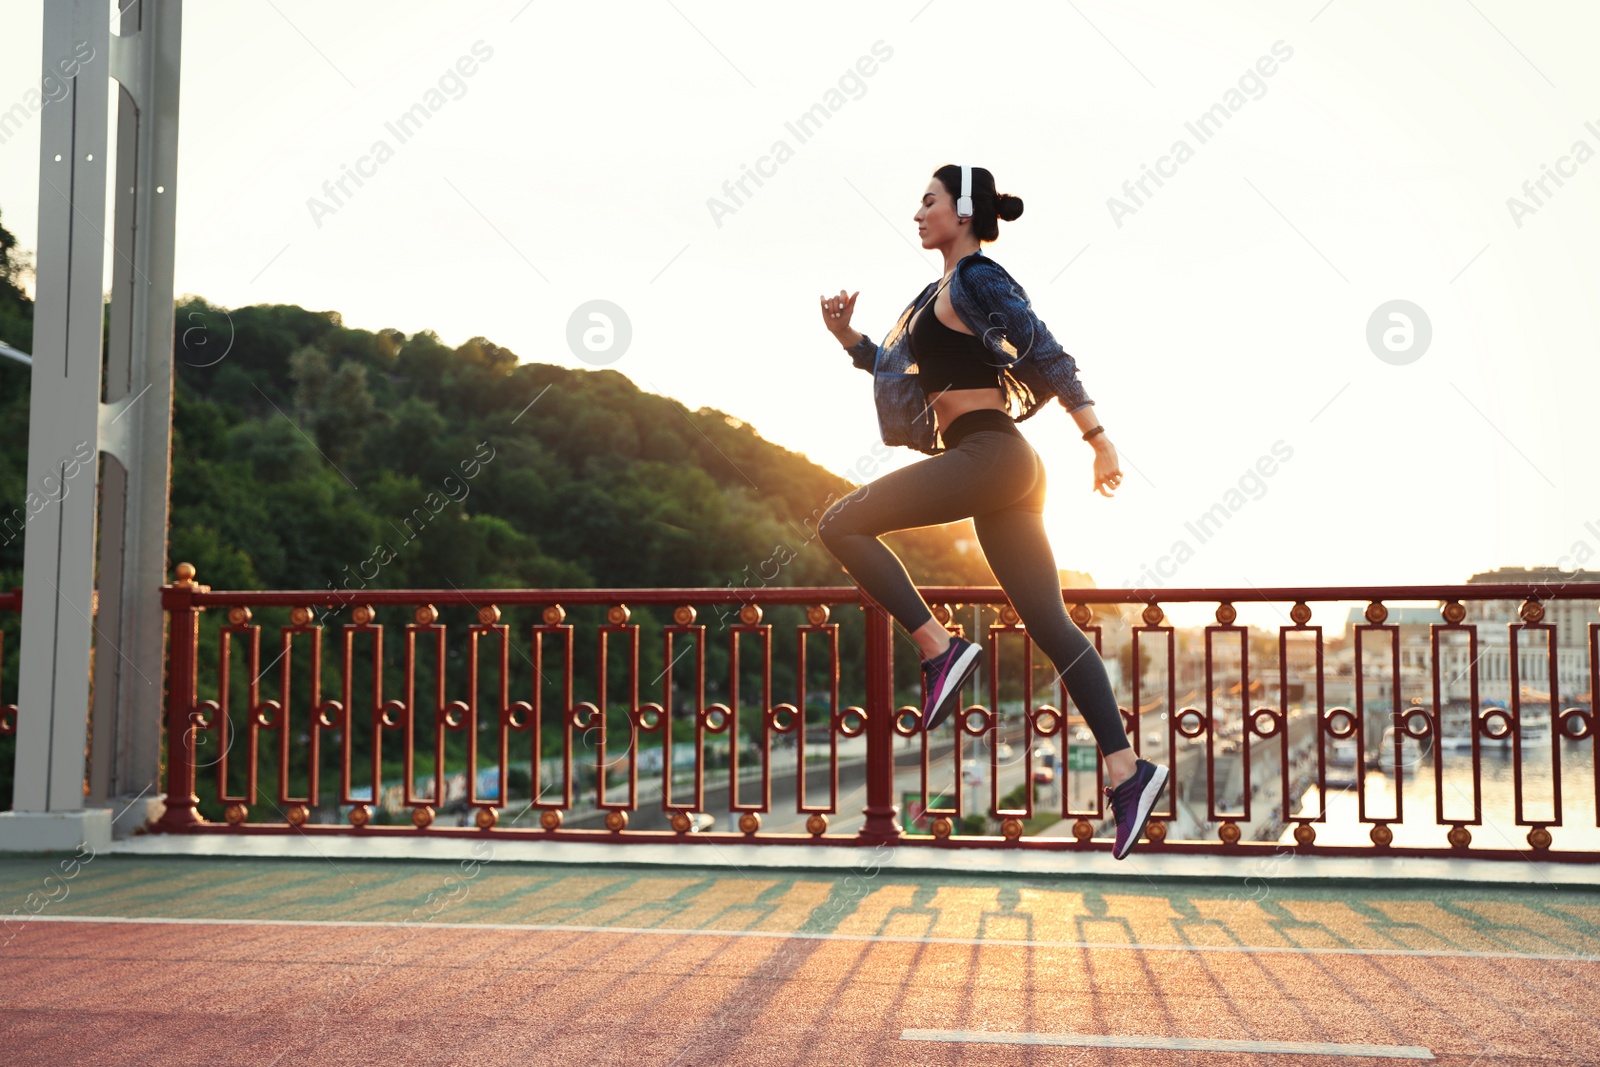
{"x":403,"y":128}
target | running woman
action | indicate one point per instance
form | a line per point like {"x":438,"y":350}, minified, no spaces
{"x":954,"y":376}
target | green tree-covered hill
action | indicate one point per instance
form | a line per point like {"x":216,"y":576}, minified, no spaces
{"x":311,"y":455}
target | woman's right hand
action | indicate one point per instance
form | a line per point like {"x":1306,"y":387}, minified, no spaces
{"x":836,"y":311}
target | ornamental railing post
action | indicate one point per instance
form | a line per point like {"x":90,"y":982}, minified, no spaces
{"x":880,"y":826}
{"x":183,"y":656}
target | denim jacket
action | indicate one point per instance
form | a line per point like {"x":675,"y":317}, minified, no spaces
{"x":995,"y":308}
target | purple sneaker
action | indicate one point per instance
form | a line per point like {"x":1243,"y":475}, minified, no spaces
{"x":944,"y":675}
{"x":1131,"y":803}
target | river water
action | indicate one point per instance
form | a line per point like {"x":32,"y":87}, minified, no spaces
{"x":1499,"y":829}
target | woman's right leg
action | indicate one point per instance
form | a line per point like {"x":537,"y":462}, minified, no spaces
{"x":982,"y":474}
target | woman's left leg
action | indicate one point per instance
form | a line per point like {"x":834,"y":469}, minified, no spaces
{"x":1014,"y":541}
{"x":1018,"y":551}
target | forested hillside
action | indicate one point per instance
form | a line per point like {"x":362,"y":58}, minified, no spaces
{"x":310,"y":455}
{"x":300,"y":446}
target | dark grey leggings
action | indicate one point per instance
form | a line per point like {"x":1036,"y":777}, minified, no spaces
{"x":995,"y":477}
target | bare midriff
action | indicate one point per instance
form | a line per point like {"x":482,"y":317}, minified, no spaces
{"x":953,"y":403}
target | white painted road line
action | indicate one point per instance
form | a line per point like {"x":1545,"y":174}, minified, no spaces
{"x":1183,"y":1044}
{"x":783,"y":935}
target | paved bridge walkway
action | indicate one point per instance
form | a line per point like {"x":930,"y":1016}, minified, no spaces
{"x":172,"y":960}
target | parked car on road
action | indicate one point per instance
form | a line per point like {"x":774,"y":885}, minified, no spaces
{"x":972,"y":773}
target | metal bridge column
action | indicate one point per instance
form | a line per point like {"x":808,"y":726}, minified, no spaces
{"x":69,"y":426}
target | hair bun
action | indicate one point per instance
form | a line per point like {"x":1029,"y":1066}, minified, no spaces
{"x":1009,"y":207}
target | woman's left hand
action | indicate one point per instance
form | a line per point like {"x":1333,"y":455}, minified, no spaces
{"x":1107,"y":475}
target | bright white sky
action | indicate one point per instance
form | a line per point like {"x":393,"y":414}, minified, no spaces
{"x":1225,"y":314}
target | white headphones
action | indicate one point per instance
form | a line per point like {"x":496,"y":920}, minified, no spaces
{"x":964,"y":201}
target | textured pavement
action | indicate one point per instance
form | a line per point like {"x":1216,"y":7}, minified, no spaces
{"x":230,"y":961}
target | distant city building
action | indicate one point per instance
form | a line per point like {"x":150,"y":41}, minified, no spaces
{"x":1571,"y":619}
{"x":1494,"y":620}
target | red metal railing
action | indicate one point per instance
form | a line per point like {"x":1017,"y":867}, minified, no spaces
{"x":1278,"y":752}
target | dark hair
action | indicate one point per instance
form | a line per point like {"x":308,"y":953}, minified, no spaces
{"x":988,"y":207}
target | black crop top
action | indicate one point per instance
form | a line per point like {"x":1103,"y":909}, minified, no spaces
{"x":947,"y":358}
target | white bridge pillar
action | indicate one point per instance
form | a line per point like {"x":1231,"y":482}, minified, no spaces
{"x":62,"y":797}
